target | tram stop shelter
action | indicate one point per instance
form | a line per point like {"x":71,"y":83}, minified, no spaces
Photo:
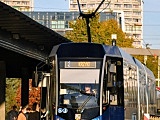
{"x":24,"y":43}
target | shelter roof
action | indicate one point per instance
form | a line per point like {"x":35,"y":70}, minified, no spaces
{"x":22,"y":34}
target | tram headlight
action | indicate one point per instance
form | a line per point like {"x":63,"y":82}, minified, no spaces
{"x":66,"y":101}
{"x":77,"y":116}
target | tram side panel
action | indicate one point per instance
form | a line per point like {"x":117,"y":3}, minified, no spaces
{"x":130,"y":91}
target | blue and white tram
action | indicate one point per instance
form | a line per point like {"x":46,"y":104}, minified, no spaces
{"x":112,"y":75}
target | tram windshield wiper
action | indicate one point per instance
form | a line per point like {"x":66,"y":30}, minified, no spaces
{"x":80,"y":109}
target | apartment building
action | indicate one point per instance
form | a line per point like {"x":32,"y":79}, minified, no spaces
{"x":20,"y":5}
{"x":130,"y":10}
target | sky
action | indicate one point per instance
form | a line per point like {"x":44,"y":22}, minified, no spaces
{"x":151,"y":17}
{"x":151,"y":20}
{"x":51,"y":5}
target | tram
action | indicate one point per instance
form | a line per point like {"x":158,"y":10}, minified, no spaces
{"x":120,"y":86}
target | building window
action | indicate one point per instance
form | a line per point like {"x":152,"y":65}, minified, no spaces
{"x":129,"y":28}
{"x":54,"y":25}
{"x":68,"y":17}
{"x":54,"y":17}
{"x":66,"y":24}
{"x":91,"y":5}
{"x":136,"y":6}
{"x":136,"y":13}
{"x":18,"y":3}
{"x":83,"y":5}
{"x":60,"y":16}
{"x":57,"y":24}
{"x":128,"y":19}
{"x":117,"y":6}
{"x":137,"y":36}
{"x":127,"y":6}
{"x":73,"y":6}
{"x":137,"y":20}
{"x":138,"y":28}
{"x":61,"y":24}
{"x":128,"y":13}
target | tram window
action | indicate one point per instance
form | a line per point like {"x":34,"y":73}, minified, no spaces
{"x":112,"y":75}
{"x":113,"y":68}
{"x":113,"y":99}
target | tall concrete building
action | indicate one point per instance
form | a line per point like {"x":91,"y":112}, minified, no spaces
{"x":130,"y":10}
{"x":20,"y":5}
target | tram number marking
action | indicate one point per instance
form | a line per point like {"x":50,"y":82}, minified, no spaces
{"x":84,"y":64}
{"x":80,"y":64}
{"x":62,"y":110}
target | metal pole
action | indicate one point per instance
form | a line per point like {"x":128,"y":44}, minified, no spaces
{"x":48,"y":94}
{"x":158,"y":69}
{"x":88,"y":16}
{"x":88,"y":29}
{"x":146,"y":89}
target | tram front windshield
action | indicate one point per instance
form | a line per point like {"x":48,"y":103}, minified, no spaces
{"x":79,"y":87}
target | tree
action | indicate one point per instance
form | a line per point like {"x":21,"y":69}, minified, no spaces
{"x":34,"y":94}
{"x":13,"y":93}
{"x":111,"y":27}
{"x":151,"y":63}
{"x":100,"y":32}
{"x":12,"y":85}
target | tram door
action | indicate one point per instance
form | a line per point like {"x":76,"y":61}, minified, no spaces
{"x":113,"y":90}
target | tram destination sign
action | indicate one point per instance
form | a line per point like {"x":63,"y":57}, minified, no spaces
{"x":80,"y":64}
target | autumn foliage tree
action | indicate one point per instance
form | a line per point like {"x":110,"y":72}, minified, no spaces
{"x":13,"y":93}
{"x":151,"y":63}
{"x":12,"y":85}
{"x":34,"y":94}
{"x":100,"y":32}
